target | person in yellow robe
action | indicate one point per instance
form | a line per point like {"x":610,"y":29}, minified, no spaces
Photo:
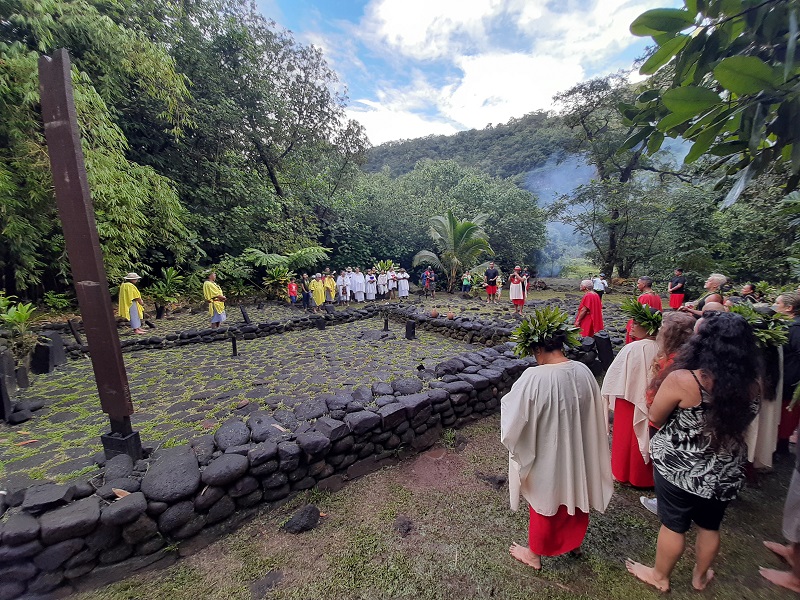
{"x":131,"y":306}
{"x":317,"y":287}
{"x":330,"y":287}
{"x":216,"y":301}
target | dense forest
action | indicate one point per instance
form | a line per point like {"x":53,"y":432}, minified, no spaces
{"x":214,"y":139}
{"x":502,"y":150}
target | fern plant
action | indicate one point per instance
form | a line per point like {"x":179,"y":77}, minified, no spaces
{"x":544,"y":324}
{"x":55,"y":301}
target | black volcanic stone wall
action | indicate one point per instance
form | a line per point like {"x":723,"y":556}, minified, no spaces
{"x":55,"y":539}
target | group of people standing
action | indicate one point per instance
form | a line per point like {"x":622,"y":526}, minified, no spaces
{"x":350,"y":285}
{"x":693,"y":410}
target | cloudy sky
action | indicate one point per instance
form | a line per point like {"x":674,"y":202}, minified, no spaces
{"x":418,"y":67}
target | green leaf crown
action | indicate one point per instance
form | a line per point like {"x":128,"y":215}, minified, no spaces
{"x":543,"y":325}
{"x":770,"y":330}
{"x":643,"y":315}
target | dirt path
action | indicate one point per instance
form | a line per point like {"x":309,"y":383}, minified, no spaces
{"x":438,"y":526}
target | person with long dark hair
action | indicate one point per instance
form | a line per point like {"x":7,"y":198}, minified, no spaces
{"x":703,"y":409}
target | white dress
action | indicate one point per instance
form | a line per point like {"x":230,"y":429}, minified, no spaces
{"x":372,"y":286}
{"x":382,"y":283}
{"x":391,"y":277}
{"x":554,"y":424}
{"x":359,"y":286}
{"x":402,"y":284}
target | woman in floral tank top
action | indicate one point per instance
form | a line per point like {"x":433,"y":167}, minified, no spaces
{"x":703,"y":407}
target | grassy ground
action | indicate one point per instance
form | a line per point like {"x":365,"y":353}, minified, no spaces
{"x":461,"y":528}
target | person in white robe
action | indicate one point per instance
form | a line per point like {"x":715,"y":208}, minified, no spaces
{"x":343,"y":287}
{"x":383,"y":285}
{"x":350,"y":281}
{"x":402,"y":283}
{"x":554,"y":425}
{"x":359,"y":285}
{"x":391,"y":280}
{"x":371,"y":284}
{"x":762,"y":435}
{"x":625,"y":392}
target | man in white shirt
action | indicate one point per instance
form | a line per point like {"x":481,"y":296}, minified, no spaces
{"x":599,"y":284}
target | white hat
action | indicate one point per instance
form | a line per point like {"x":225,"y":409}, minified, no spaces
{"x":131,"y":276}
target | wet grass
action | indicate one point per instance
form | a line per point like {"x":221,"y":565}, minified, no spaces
{"x":458,"y":544}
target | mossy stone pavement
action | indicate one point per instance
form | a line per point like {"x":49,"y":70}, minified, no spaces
{"x":182,"y":392}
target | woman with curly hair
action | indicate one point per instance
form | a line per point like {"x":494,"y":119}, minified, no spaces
{"x":703,"y":408}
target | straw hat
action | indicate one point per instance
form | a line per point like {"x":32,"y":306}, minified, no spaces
{"x":131,"y":276}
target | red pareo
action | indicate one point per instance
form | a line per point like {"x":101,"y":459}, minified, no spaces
{"x":559,"y":534}
{"x":676,"y":301}
{"x":593,"y":321}
{"x":651,"y":300}
{"x":627,"y":464}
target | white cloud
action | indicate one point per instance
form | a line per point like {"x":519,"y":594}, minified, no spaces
{"x":385,"y":122}
{"x":474,"y":62}
{"x":498,"y":86}
{"x":429,"y":29}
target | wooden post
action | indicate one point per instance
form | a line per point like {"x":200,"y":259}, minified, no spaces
{"x":83,"y":248}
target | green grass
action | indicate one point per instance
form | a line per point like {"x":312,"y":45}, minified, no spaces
{"x":458,"y":547}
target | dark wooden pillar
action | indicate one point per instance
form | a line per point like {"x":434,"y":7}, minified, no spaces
{"x":83,"y":247}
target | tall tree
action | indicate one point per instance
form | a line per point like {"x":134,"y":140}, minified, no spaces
{"x":136,"y":208}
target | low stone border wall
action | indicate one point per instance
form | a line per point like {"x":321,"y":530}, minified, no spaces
{"x":56,"y":539}
{"x":241,"y":331}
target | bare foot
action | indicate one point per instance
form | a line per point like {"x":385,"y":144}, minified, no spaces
{"x":139,"y":331}
{"x":646,"y":574}
{"x":781,"y":551}
{"x":785,"y":579}
{"x":699,"y":582}
{"x":524,"y":555}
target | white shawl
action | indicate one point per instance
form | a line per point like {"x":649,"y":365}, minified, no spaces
{"x":627,"y":378}
{"x":554,"y":424}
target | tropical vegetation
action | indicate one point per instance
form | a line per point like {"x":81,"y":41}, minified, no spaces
{"x":461,"y":245}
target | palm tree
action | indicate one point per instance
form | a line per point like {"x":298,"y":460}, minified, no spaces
{"x":460,"y":245}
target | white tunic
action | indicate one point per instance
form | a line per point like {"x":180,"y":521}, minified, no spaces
{"x":359,"y":285}
{"x":371,"y":286}
{"x":516,"y":291}
{"x":628,"y":378}
{"x":343,"y":285}
{"x":554,"y":424}
{"x":391,"y":277}
{"x":382,"y":287}
{"x":402,"y":284}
